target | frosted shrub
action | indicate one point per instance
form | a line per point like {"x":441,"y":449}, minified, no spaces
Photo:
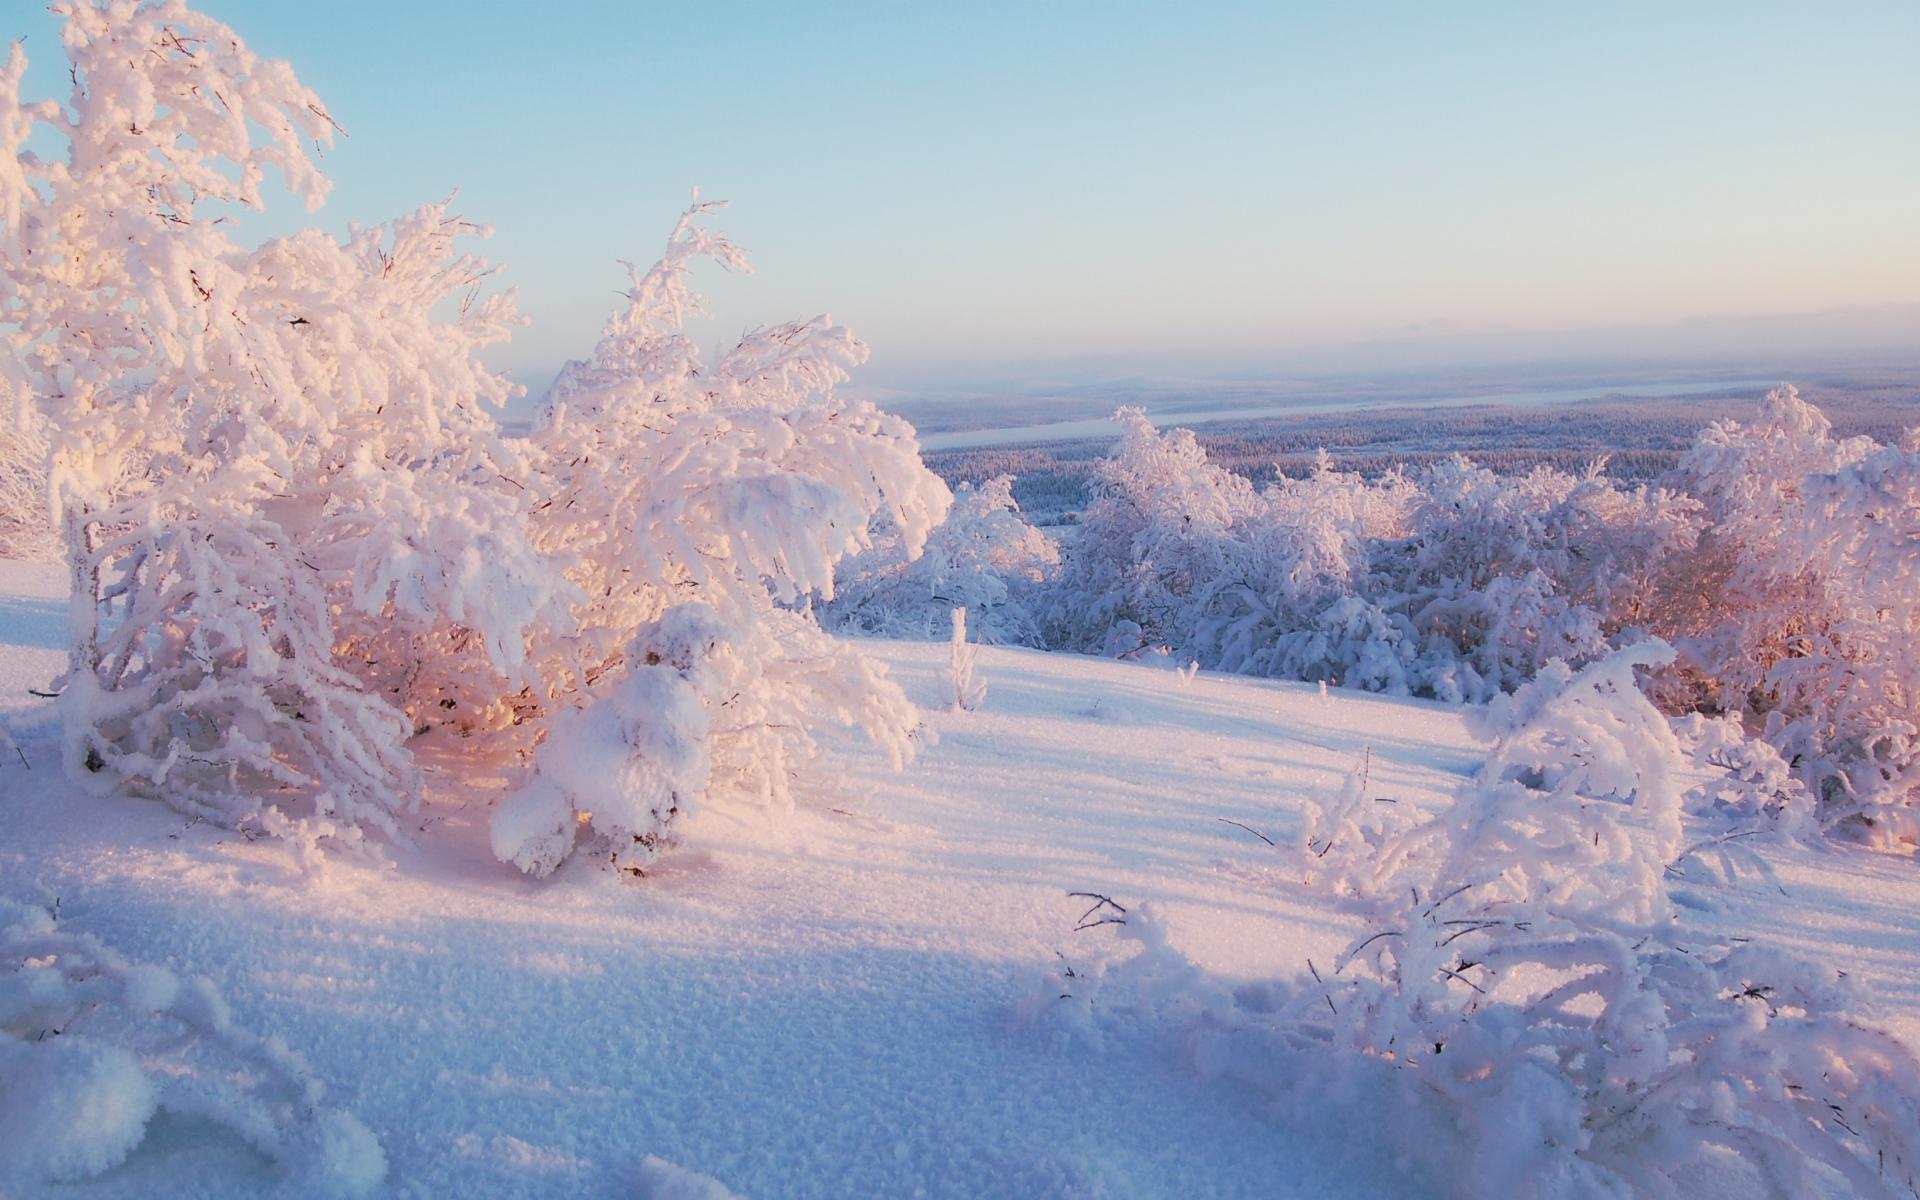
{"x":1780,"y":561}
{"x":1456,"y":583}
{"x":1797,"y":613}
{"x":1286,"y":605}
{"x":1501,"y":574}
{"x":1295,"y":603}
{"x":263,"y":459}
{"x":296,"y":538}
{"x":1156,"y":532}
{"x":1747,"y":598}
{"x":1527,"y":1002}
{"x":26,"y":528}
{"x":984,"y":558}
{"x":1343,"y":836}
{"x":92,"y":1046}
{"x":1577,"y":804}
{"x":1847,"y":712}
{"x":696,"y":508}
{"x":1749,"y":786}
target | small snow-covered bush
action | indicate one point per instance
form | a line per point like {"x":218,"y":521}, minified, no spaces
{"x":1525,"y":1006}
{"x":696,"y":507}
{"x":1156,"y":532}
{"x":1342,"y":836}
{"x":92,"y":1046}
{"x":1749,"y":786}
{"x":1797,"y":612}
{"x":983,"y":557}
{"x":1456,"y":582}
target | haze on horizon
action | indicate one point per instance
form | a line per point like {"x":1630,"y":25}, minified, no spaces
{"x":982,"y":191}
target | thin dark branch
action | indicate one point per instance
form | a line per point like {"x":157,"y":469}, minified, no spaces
{"x":1099,"y":902}
{"x":1250,"y":829}
{"x":1451,"y":974}
{"x":1442,"y":900}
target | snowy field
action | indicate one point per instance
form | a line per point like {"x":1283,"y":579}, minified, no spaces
{"x":851,"y":1000}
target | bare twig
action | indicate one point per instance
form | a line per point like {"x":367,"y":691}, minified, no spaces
{"x":1099,"y":902}
{"x":1442,"y":900}
{"x":1250,"y":829}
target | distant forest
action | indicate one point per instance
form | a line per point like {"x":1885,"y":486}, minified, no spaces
{"x":1640,"y":439}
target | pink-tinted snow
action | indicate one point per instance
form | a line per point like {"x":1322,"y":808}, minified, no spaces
{"x":821,"y":1003}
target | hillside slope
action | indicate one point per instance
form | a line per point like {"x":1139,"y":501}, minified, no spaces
{"x":823,"y":1003}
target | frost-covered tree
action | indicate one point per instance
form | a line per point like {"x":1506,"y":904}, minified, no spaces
{"x":984,"y":558}
{"x":1501,"y":574}
{"x":1747,"y":598}
{"x":1455,"y":582}
{"x":1850,"y":712}
{"x":296,"y":537}
{"x":271,"y":465}
{"x":698,"y":506}
{"x":1295,"y":601}
{"x":1525,"y":1008}
{"x":1796,"y":614}
{"x":1155,"y":533}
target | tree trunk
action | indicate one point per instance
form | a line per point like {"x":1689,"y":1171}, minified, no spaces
{"x":79,"y":698}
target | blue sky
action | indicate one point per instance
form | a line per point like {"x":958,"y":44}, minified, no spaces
{"x":976,"y":187}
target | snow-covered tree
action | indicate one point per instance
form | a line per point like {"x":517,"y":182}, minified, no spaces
{"x":698,"y":506}
{"x":1295,"y":600}
{"x":1525,"y":1006}
{"x":1501,"y":574}
{"x":1456,"y":582}
{"x":1796,"y":614}
{"x":272,"y":466}
{"x":1156,"y":532}
{"x":1747,"y":598}
{"x":1850,"y":712}
{"x":984,"y":558}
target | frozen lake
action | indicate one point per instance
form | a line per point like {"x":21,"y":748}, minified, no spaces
{"x":1170,"y":413}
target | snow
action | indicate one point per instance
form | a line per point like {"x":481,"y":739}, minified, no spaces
{"x":661,"y":1180}
{"x":838,"y":1001}
{"x":33,"y":613}
{"x":71,"y":1107}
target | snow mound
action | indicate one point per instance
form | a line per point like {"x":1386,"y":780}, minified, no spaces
{"x":662,"y":1180}
{"x":70,"y":1107}
{"x":92,"y":1045}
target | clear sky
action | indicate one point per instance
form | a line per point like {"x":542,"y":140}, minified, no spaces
{"x":970,"y":186}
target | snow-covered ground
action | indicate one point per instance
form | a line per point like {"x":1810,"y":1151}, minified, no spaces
{"x":834,"y":1002}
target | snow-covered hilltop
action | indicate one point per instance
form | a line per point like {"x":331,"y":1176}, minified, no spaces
{"x":396,"y":804}
{"x":864,"y":999}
